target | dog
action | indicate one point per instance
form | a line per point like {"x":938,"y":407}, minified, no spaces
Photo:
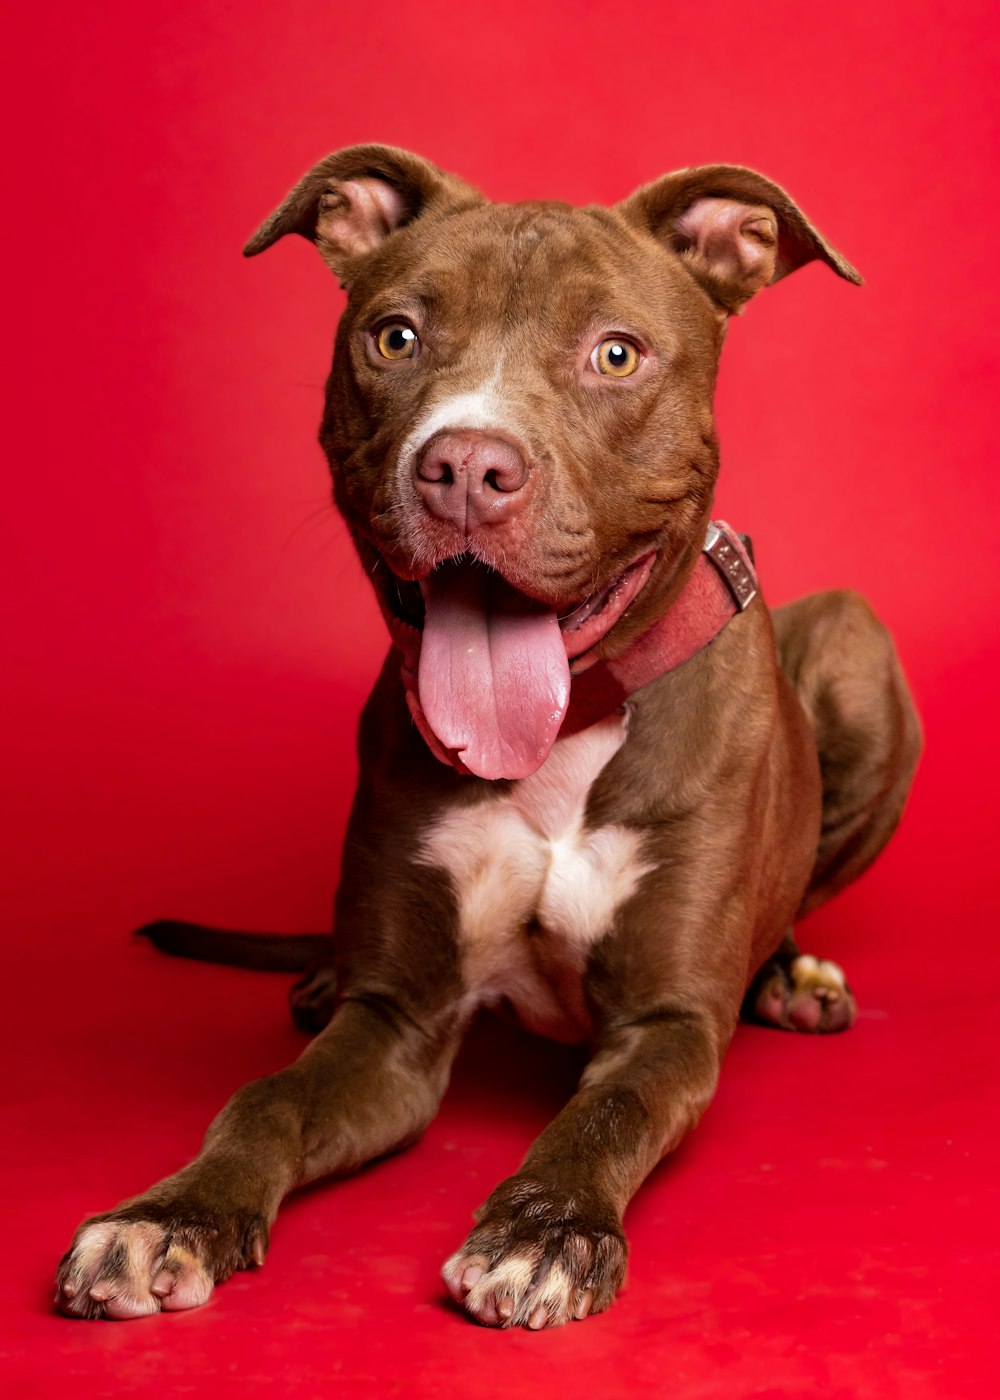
{"x":599,"y":780}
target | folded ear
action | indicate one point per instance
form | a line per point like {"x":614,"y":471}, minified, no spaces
{"x":354,"y":199}
{"x":734,"y":230}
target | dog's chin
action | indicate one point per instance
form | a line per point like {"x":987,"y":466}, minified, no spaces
{"x":583,"y":623}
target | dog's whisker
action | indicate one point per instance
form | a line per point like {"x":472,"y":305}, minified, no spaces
{"x":316,"y":518}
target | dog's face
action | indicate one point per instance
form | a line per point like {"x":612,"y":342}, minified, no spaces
{"x":563,"y":349}
{"x":519,"y":415}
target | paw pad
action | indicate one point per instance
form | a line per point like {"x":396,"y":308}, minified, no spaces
{"x":803,"y":993}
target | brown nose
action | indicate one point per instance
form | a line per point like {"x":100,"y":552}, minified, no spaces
{"x":470,"y":478}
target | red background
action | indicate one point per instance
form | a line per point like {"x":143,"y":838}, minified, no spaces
{"x":189,"y":641}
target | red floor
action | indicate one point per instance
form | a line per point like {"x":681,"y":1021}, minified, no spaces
{"x":830,"y":1229}
{"x":189,"y":640}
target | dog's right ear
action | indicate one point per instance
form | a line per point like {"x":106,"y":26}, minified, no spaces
{"x":353,"y":200}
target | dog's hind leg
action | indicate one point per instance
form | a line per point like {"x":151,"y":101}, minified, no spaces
{"x":844,"y":668}
{"x":845,"y":671}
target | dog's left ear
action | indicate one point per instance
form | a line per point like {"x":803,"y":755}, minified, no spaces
{"x":733,"y":229}
{"x":353,"y":200}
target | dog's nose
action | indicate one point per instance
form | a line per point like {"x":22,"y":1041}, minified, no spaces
{"x":471,"y":478}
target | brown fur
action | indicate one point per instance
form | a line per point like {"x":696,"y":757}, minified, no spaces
{"x":762,"y":775}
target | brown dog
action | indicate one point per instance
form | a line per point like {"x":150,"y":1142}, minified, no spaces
{"x":599,"y":780}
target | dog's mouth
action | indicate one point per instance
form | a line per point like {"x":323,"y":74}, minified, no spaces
{"x":492,"y":664}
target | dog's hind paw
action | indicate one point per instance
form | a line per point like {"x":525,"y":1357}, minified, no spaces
{"x":531,"y":1263}
{"x":313,"y":999}
{"x":801,"y":993}
{"x":127,"y":1268}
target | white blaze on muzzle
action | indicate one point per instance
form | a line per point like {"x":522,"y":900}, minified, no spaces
{"x":492,"y":678}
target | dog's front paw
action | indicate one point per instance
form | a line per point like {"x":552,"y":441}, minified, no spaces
{"x":538,"y":1258}
{"x":130,"y":1263}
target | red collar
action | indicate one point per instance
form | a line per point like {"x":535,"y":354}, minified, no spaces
{"x":722,"y":583}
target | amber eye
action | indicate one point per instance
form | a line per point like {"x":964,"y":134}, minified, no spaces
{"x":615,"y":357}
{"x":396,"y":341}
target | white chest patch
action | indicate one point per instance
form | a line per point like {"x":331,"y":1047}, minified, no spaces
{"x":535,"y":890}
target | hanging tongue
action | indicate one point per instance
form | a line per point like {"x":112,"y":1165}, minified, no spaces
{"x":493,"y":678}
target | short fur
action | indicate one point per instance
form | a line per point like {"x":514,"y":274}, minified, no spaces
{"x":739,"y":791}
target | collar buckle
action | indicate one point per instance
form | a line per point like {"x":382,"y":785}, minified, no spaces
{"x":725,"y":549}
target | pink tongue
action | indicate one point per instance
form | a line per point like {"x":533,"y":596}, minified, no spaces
{"x":493,"y":678}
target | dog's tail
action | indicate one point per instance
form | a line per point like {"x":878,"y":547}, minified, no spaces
{"x":262,"y":952}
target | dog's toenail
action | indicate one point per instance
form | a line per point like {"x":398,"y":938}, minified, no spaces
{"x":472,"y":1276}
{"x":538,"y":1319}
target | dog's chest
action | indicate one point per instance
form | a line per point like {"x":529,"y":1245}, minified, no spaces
{"x":535,"y":888}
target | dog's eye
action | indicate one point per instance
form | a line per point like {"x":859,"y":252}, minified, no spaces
{"x":396,"y":341}
{"x":616,"y":357}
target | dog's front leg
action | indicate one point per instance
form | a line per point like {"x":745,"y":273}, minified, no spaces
{"x":367,"y":1085}
{"x":549,"y":1245}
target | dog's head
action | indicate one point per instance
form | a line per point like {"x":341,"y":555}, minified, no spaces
{"x":519,"y":414}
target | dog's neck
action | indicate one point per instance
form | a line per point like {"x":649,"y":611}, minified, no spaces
{"x":722,"y":583}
